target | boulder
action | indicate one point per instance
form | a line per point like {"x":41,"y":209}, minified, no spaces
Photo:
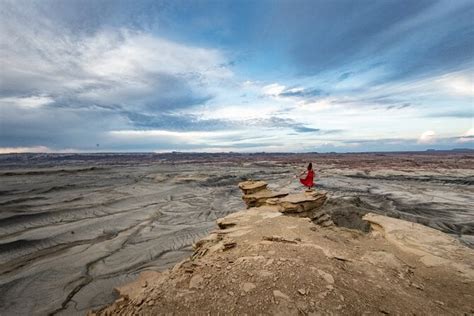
{"x":252,"y":186}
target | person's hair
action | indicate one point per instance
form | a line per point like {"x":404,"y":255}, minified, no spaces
{"x":310,"y":166}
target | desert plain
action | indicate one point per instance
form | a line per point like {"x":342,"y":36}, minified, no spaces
{"x":75,"y":226}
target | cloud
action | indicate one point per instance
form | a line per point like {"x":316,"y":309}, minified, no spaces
{"x":457,"y":84}
{"x":469,"y":132}
{"x":344,"y":76}
{"x":170,"y":137}
{"x":301,"y":92}
{"x":303,"y":77}
{"x":19,"y":150}
{"x":304,"y":129}
{"x":405,"y":38}
{"x":463,"y":114}
{"x":111,"y":67}
{"x":427,"y":137}
{"x":63,"y":87}
{"x":467,"y":137}
{"x":273,"y":89}
{"x":26,"y":102}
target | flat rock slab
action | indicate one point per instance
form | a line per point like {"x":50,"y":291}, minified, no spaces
{"x":433,"y":247}
{"x":302,"y":202}
{"x":302,"y":197}
{"x":251,"y":186}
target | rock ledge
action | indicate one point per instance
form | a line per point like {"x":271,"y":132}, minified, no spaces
{"x":259,"y":261}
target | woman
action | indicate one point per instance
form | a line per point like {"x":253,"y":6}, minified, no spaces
{"x":308,"y":181}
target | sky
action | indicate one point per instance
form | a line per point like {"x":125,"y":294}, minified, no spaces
{"x":242,"y":76}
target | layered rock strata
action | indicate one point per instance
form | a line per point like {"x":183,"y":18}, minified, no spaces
{"x":256,"y":193}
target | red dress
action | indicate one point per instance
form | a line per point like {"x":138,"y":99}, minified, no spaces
{"x":308,"y":181}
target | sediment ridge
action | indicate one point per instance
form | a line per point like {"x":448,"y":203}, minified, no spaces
{"x":305,"y":253}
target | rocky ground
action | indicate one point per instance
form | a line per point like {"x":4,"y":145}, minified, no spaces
{"x":74,"y":227}
{"x":291,"y":256}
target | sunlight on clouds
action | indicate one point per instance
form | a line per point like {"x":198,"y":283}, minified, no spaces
{"x":242,"y":112}
{"x":452,"y":83}
{"x":427,"y":137}
{"x":273,"y":89}
{"x":467,"y":137}
{"x":131,"y":54}
{"x":458,"y":84}
{"x":315,"y":106}
{"x":171,"y":136}
{"x":35,"y":149}
{"x":469,"y":132}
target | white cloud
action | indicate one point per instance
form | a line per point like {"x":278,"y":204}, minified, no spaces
{"x":35,"y":149}
{"x":241,"y":112}
{"x":457,"y":83}
{"x":469,"y":132}
{"x":314,"y":106}
{"x":128,"y":55}
{"x":113,"y":66}
{"x":27,"y":102}
{"x":427,"y":137}
{"x":467,"y":137}
{"x":273,"y":89}
{"x":172,"y":137}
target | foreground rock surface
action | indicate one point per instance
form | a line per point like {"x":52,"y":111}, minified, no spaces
{"x":260,"y":261}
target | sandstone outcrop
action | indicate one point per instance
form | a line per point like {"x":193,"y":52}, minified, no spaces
{"x":302,"y":203}
{"x":252,"y":186}
{"x":259,"y":261}
{"x":256,"y":193}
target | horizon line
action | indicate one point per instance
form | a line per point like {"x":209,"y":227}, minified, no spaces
{"x":237,"y":152}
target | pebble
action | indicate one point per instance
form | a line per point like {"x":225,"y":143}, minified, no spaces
{"x":326,"y":276}
{"x":279,"y":294}
{"x":196,"y":281}
{"x":269,"y":262}
{"x":247,"y":287}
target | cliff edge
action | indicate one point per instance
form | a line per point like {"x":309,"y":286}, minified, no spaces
{"x":297,"y":254}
